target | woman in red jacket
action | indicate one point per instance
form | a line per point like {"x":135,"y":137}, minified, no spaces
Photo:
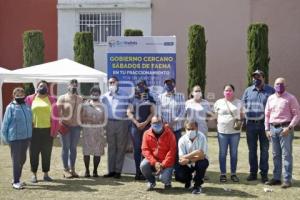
{"x":159,"y":150}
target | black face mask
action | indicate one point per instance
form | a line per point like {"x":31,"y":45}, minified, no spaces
{"x":20,"y":100}
{"x":43,"y":90}
{"x":73,"y":90}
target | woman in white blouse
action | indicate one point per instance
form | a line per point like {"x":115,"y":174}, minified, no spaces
{"x":227,"y":110}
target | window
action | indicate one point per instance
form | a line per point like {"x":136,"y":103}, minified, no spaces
{"x":101,"y":25}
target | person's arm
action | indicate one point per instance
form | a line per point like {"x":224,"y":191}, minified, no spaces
{"x":60,"y":105}
{"x":181,"y":111}
{"x":171,"y":155}
{"x":7,"y":119}
{"x":147,"y":152}
{"x":195,"y":155}
{"x":267,"y":115}
{"x":295,"y":110}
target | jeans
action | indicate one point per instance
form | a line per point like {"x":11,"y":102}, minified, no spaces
{"x":255,"y":132}
{"x":137,"y":136}
{"x":177,"y":136}
{"x":69,"y":143}
{"x":282,"y":147}
{"x":18,"y":150}
{"x":184,"y":172}
{"x":231,"y":140}
{"x":148,"y":171}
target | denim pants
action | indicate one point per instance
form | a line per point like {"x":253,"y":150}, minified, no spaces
{"x":255,"y":132}
{"x":184,"y":172}
{"x":148,"y":171}
{"x":177,"y":136}
{"x":69,"y":143}
{"x":137,"y":136}
{"x":231,"y":140}
{"x":18,"y":151}
{"x":282,"y":147}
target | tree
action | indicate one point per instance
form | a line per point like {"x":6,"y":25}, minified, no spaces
{"x":84,"y":54}
{"x":33,"y":53}
{"x":133,"y":32}
{"x":196,"y":58}
{"x":258,"y":51}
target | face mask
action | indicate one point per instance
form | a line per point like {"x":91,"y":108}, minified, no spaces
{"x":42,"y":90}
{"x":157,"y":128}
{"x":192,"y":134}
{"x":20,"y":100}
{"x":95,"y":98}
{"x":228,"y":94}
{"x":197,"y":95}
{"x":113,"y":88}
{"x":256,"y":82}
{"x":141,"y":90}
{"x":169,"y":87}
{"x":73,"y":90}
{"x":280,"y":88}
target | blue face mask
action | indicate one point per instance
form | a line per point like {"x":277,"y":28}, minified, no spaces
{"x":157,"y":128}
{"x":192,"y":134}
{"x":169,"y":87}
{"x":256,"y":82}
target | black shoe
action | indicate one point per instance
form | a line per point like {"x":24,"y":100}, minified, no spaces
{"x":168,"y":186}
{"x":252,"y":177}
{"x":95,"y":174}
{"x":188,"y":185}
{"x":234,"y":178}
{"x":264,"y":178}
{"x":139,"y":177}
{"x":87,"y":174}
{"x":273,"y":182}
{"x":223,"y":178}
{"x":117,"y":175}
{"x":109,"y":175}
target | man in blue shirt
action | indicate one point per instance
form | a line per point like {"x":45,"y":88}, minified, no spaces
{"x":116,"y":102}
{"x":255,"y":98}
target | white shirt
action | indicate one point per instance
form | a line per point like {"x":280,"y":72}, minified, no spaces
{"x":225,"y":119}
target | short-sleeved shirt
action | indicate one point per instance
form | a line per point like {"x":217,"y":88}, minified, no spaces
{"x":255,"y":101}
{"x":225,"y":119}
{"x":198,"y":112}
{"x":41,"y":112}
{"x":186,"y":146}
{"x":116,"y":104}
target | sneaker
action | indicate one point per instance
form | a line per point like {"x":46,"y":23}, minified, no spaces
{"x":188,"y":185}
{"x":223,"y":178}
{"x":48,"y":178}
{"x":273,"y":182}
{"x":197,"y":190}
{"x":234,"y":178}
{"x":18,"y":186}
{"x":109,"y":175}
{"x":117,"y":175}
{"x":67,"y":174}
{"x":168,"y":186}
{"x":34,"y":179}
{"x":264,"y":178}
{"x":286,"y":185}
{"x":252,"y":177}
{"x":150,"y":186}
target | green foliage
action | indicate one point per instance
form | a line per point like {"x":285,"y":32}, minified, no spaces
{"x":133,"y":32}
{"x":196,"y":58}
{"x":258,"y":51}
{"x":33,"y":52}
{"x":84,"y":54}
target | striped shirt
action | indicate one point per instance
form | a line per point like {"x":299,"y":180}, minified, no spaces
{"x":172,"y":109}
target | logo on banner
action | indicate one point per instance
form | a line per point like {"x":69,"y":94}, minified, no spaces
{"x":117,"y":43}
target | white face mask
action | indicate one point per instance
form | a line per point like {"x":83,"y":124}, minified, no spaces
{"x":192,"y":134}
{"x":113,"y":88}
{"x":197,"y":95}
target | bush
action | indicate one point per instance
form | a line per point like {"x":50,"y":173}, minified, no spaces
{"x":33,"y":53}
{"x":196,"y":58}
{"x":133,"y":32}
{"x":258,"y":51}
{"x":84,"y":54}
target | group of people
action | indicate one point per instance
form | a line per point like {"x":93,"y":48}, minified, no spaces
{"x":155,"y":126}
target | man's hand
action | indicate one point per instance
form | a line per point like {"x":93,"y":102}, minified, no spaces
{"x":158,"y":167}
{"x":285,"y":131}
{"x":183,"y":161}
{"x":269,"y":134}
{"x":141,"y":126}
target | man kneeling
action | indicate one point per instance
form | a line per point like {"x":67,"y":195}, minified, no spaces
{"x":159,"y":150}
{"x":192,"y":150}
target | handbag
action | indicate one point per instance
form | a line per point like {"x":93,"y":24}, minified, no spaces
{"x":237,"y":124}
{"x":63,"y":129}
